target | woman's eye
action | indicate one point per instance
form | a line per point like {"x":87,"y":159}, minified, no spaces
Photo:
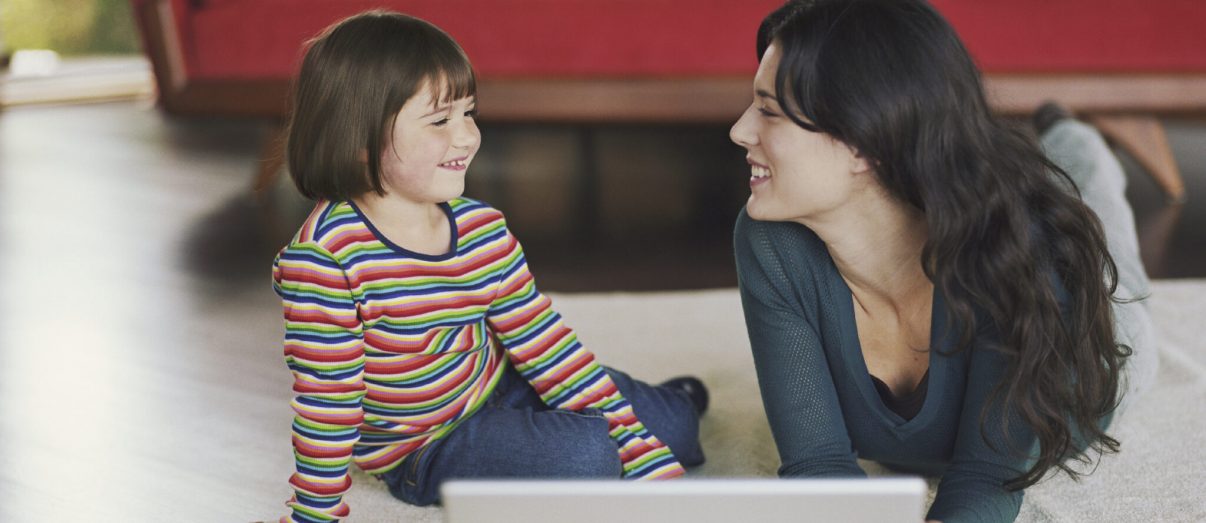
{"x":766,"y":112}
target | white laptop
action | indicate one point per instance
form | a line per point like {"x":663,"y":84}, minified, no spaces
{"x":880,"y":500}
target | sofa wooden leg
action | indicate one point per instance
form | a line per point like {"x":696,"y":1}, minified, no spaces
{"x":1144,"y":139}
{"x":272,"y":159}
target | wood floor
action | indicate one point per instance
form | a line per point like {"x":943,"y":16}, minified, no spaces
{"x":140,"y":368}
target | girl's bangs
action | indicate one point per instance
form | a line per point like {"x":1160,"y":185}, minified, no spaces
{"x":454,"y":79}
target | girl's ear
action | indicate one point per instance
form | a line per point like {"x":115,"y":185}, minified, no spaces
{"x":859,"y":163}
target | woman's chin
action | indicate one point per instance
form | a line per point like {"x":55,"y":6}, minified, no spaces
{"x":759,"y":210}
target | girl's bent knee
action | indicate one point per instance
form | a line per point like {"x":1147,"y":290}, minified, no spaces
{"x":588,"y":453}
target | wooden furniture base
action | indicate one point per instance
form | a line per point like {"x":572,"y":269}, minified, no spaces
{"x":1144,"y":139}
{"x":1124,"y":106}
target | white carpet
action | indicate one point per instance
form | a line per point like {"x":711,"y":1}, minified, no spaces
{"x":1159,"y":475}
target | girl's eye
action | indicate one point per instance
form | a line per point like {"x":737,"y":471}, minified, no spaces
{"x":472,"y":113}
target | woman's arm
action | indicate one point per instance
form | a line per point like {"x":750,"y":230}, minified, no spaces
{"x":776,"y":282}
{"x":325,"y":351}
{"x":972,"y":489}
{"x":563,"y":372}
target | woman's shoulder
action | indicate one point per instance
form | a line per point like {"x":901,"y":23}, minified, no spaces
{"x":783,"y":242}
{"x":786,"y":260}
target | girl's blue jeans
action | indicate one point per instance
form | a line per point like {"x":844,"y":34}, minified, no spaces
{"x":515,"y":435}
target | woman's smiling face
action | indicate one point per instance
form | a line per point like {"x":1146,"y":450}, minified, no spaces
{"x":795,"y":174}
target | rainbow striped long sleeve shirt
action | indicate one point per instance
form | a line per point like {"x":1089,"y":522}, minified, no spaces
{"x":391,"y":349}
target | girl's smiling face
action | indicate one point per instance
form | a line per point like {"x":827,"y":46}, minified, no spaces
{"x":795,"y":174}
{"x":429,"y":147}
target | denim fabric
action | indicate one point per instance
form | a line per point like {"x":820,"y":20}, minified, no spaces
{"x":515,"y":435}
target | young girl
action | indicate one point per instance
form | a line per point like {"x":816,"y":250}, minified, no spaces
{"x":419,"y":345}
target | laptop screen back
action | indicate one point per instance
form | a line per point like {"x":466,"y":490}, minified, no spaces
{"x":686,"y":501}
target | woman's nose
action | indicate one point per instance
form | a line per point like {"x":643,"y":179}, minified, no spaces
{"x":742,"y":132}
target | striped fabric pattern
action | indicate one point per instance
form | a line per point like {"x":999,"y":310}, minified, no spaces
{"x":391,"y":349}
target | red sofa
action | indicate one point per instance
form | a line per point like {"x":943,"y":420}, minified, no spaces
{"x":1119,"y":61}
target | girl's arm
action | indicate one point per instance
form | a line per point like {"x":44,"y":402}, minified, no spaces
{"x":325,"y":351}
{"x":563,"y":372}
{"x":780,"y":297}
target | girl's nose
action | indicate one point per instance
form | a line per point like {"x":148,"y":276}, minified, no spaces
{"x":466,"y":136}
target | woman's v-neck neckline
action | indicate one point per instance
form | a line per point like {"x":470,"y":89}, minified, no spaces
{"x":856,"y":364}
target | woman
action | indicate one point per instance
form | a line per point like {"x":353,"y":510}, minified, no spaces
{"x":922,"y":286}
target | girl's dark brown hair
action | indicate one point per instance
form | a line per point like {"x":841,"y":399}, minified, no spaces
{"x":1016,"y":253}
{"x":354,"y":79}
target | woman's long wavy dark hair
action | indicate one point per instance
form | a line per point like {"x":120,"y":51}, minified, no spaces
{"x":892,"y":80}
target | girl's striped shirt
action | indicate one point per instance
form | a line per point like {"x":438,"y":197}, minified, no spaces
{"x":391,"y":349}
